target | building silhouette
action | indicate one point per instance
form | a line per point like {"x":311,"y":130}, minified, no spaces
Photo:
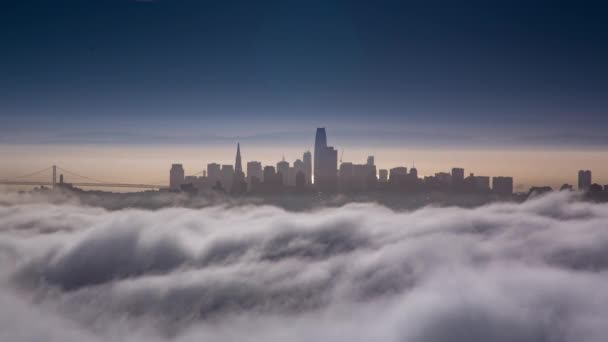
{"x":443,"y":178}
{"x":238,"y":168}
{"x":320,"y":144}
{"x":414,"y":174}
{"x":214,"y":173}
{"x":502,"y":185}
{"x":324,"y":176}
{"x":283,"y":170}
{"x":227,"y":176}
{"x":457,"y":177}
{"x":383,"y":175}
{"x":477,"y":183}
{"x":307,"y":166}
{"x":254,"y":171}
{"x":298,"y":167}
{"x":273,"y":181}
{"x":176,"y":177}
{"x":300,"y":181}
{"x":397,"y":173}
{"x":357,"y":177}
{"x":584,"y":180}
{"x":326,"y":164}
{"x":239,"y":184}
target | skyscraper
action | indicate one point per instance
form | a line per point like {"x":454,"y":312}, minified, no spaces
{"x":176,"y":176}
{"x":320,"y":144}
{"x":254,"y":170}
{"x":414,"y":173}
{"x":283,"y":169}
{"x":213,"y":173}
{"x":307,"y":159}
{"x":383,"y":174}
{"x":239,"y":185}
{"x":238,"y":168}
{"x":584,"y":179}
{"x":502,"y":185}
{"x":326,"y":163}
{"x":298,"y":167}
{"x":227,"y":176}
{"x":457,"y":177}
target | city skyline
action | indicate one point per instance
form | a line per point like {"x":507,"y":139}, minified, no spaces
{"x":332,"y":175}
{"x":529,"y":168}
{"x":229,"y":174}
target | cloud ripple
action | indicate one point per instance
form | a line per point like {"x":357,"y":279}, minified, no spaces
{"x":534,"y":271}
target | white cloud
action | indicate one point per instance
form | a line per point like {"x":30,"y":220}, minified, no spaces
{"x":505,"y":272}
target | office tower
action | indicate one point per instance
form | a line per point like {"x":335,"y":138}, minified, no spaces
{"x":269,"y":175}
{"x":227,"y":176}
{"x":584,"y":179}
{"x":326,"y":177}
{"x":457,"y":176}
{"x":479,"y":183}
{"x":239,"y":184}
{"x":320,"y":144}
{"x":444,"y":178}
{"x":176,"y":176}
{"x":370,"y":160}
{"x":213,"y":173}
{"x":357,"y":177}
{"x":283,"y":169}
{"x":298,"y":166}
{"x":383,"y":175}
{"x":502,"y":185}
{"x":326,"y":163}
{"x":307,"y":160}
{"x":254,"y":170}
{"x":238,"y":168}
{"x":414,"y":173}
{"x":345,"y":176}
{"x":300,"y":180}
{"x":273,"y":182}
{"x":397,"y":172}
{"x":364,"y":176}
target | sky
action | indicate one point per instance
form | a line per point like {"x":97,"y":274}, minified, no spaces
{"x":380,"y":75}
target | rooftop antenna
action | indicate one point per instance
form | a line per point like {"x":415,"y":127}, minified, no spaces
{"x":341,"y":155}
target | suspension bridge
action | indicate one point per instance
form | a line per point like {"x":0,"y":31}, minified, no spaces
{"x":34,"y":179}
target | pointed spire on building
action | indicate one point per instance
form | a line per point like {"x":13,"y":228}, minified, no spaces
{"x":238,"y":167}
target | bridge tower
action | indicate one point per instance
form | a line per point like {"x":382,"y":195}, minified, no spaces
{"x":54,"y":181}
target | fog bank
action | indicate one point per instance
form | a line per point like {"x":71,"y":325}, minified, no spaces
{"x":534,"y":271}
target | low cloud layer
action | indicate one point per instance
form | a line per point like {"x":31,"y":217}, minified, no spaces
{"x":535,"y":271}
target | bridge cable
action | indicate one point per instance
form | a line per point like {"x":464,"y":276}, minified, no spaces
{"x":85,"y":177}
{"x":27,"y":175}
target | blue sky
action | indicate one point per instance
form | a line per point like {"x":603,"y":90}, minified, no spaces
{"x":393,"y":72}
